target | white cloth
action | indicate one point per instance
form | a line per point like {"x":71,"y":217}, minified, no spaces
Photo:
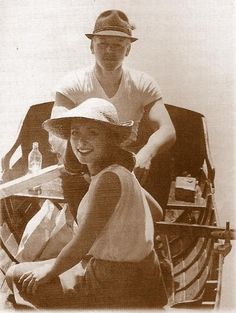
{"x":46,"y":233}
{"x":136,"y":90}
{"x":128,"y":235}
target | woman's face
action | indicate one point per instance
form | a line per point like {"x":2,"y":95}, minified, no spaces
{"x":89,"y":141}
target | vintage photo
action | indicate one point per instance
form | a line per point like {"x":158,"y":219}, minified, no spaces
{"x":117,"y":184}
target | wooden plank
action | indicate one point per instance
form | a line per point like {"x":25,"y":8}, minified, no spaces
{"x":210,"y":166}
{"x":51,"y":190}
{"x":30,"y":180}
{"x":210,"y":290}
{"x":194,"y":230}
{"x":194,"y":255}
{"x":190,"y":292}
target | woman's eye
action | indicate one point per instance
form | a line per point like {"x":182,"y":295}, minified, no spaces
{"x":93,"y":132}
{"x":75,"y":133}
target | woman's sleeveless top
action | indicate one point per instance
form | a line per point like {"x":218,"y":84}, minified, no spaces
{"x":128,"y":234}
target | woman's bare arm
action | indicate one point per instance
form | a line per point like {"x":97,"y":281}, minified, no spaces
{"x":156,"y":210}
{"x":100,"y":207}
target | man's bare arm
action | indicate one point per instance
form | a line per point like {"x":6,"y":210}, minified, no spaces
{"x":62,"y":103}
{"x":162,"y":138}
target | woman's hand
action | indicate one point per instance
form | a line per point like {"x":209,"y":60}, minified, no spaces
{"x":31,"y":280}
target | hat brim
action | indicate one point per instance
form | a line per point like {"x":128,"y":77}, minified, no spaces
{"x":112,"y":33}
{"x":61,"y":127}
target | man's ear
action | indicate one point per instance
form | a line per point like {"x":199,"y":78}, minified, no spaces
{"x":91,"y":47}
{"x":128,"y":49}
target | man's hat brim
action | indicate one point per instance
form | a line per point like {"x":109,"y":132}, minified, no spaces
{"x":112,"y":33}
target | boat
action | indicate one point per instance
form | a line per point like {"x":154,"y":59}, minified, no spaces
{"x":190,"y":244}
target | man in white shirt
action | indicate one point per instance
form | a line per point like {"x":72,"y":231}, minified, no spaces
{"x":131,"y":91}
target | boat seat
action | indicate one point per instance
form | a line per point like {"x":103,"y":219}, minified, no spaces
{"x":191,"y":148}
{"x":31,"y":130}
{"x":190,"y":155}
{"x":16,"y":212}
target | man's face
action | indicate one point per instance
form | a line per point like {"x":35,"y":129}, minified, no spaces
{"x":110,"y":51}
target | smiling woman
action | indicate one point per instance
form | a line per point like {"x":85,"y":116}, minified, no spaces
{"x":115,"y":225}
{"x":90,"y":143}
{"x":178,"y":46}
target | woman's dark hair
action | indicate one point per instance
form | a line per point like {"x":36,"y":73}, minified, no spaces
{"x":71,"y":163}
{"x":73,"y":183}
{"x":123,"y":157}
{"x":115,"y":155}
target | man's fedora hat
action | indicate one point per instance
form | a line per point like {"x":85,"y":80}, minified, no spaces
{"x":112,"y":23}
{"x":96,"y":109}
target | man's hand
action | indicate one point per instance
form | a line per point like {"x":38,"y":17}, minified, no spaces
{"x":161,"y":140}
{"x":31,"y":280}
{"x":144,"y":158}
{"x":143,"y":164}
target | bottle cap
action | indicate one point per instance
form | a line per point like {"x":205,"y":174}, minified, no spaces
{"x":35,"y":144}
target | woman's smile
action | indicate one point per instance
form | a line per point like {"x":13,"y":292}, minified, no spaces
{"x":84,"y":151}
{"x":89,"y":143}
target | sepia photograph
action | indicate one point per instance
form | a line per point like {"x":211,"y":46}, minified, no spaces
{"x":117,"y":155}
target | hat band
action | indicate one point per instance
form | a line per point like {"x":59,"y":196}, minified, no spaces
{"x":114,"y":28}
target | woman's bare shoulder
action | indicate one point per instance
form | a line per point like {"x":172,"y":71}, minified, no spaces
{"x":108,"y":181}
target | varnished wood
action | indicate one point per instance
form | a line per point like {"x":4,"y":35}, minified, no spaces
{"x":195,"y":230}
{"x":30,"y":180}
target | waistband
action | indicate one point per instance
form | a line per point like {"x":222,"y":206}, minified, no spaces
{"x":151,"y":258}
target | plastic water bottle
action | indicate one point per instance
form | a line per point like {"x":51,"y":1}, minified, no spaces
{"x":35,"y":164}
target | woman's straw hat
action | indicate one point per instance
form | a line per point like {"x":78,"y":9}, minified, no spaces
{"x":96,"y":109}
{"x":112,"y":23}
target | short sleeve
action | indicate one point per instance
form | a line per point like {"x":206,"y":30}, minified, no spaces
{"x":69,"y":86}
{"x":149,"y":89}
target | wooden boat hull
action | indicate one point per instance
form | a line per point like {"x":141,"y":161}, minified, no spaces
{"x":189,"y":238}
{"x":195,"y":249}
